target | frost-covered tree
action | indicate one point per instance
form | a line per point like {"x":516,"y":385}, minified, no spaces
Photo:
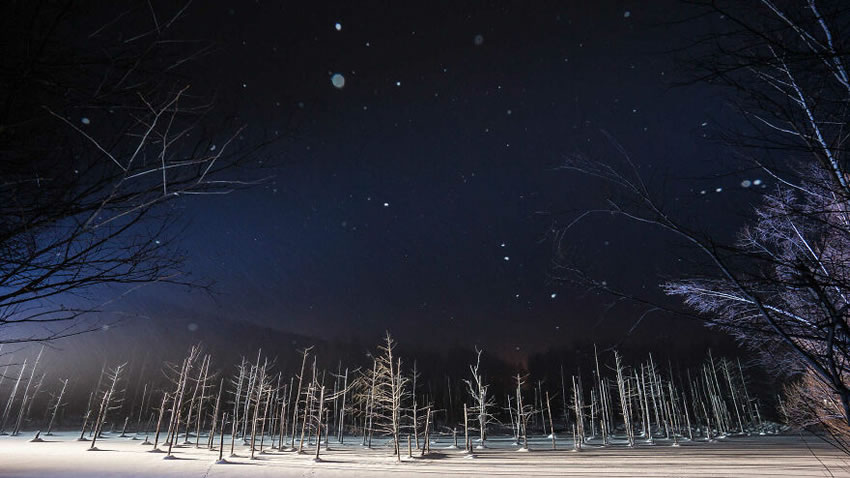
{"x":782,"y":285}
{"x":388,"y":391}
{"x":792,"y":302}
{"x":483,"y":403}
{"x":524,"y":412}
{"x":112,"y":397}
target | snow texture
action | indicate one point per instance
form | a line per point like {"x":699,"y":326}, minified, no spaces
{"x":772,"y":455}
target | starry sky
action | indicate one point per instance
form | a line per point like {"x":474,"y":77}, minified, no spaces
{"x":420,"y":195}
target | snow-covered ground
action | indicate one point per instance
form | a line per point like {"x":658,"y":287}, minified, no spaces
{"x":788,"y":455}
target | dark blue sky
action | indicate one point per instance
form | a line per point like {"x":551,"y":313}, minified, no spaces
{"x":419,"y":196}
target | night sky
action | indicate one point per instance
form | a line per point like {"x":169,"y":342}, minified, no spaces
{"x":420,"y":196}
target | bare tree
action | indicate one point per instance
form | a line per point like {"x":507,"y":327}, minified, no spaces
{"x":625,"y":399}
{"x":483,"y":402}
{"x":27,"y":397}
{"x":523,"y":413}
{"x":389,"y":392}
{"x":236,"y":396}
{"x":111,"y":400}
{"x":57,"y":404}
{"x":791,"y":82}
{"x":782,"y":285}
{"x":304,"y":354}
{"x":181,"y":383}
{"x":93,"y":142}
{"x":11,"y":400}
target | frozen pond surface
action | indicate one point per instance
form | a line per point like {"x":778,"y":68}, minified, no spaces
{"x":787,"y":455}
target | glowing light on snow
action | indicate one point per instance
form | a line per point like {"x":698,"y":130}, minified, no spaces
{"x":338,"y":26}
{"x":85,"y":120}
{"x":478,"y":40}
{"x":338,"y":80}
{"x":746,"y":183}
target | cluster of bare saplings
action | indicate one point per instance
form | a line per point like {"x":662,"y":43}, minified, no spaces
{"x":386,"y":405}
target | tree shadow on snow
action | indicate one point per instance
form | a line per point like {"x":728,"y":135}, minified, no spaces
{"x":181,"y":458}
{"x":228,"y":462}
{"x":434,"y":455}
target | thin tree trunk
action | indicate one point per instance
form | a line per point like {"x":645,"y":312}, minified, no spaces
{"x":56,"y":407}
{"x":319,"y":422}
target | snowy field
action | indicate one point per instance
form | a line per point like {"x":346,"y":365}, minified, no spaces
{"x":789,"y":455}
